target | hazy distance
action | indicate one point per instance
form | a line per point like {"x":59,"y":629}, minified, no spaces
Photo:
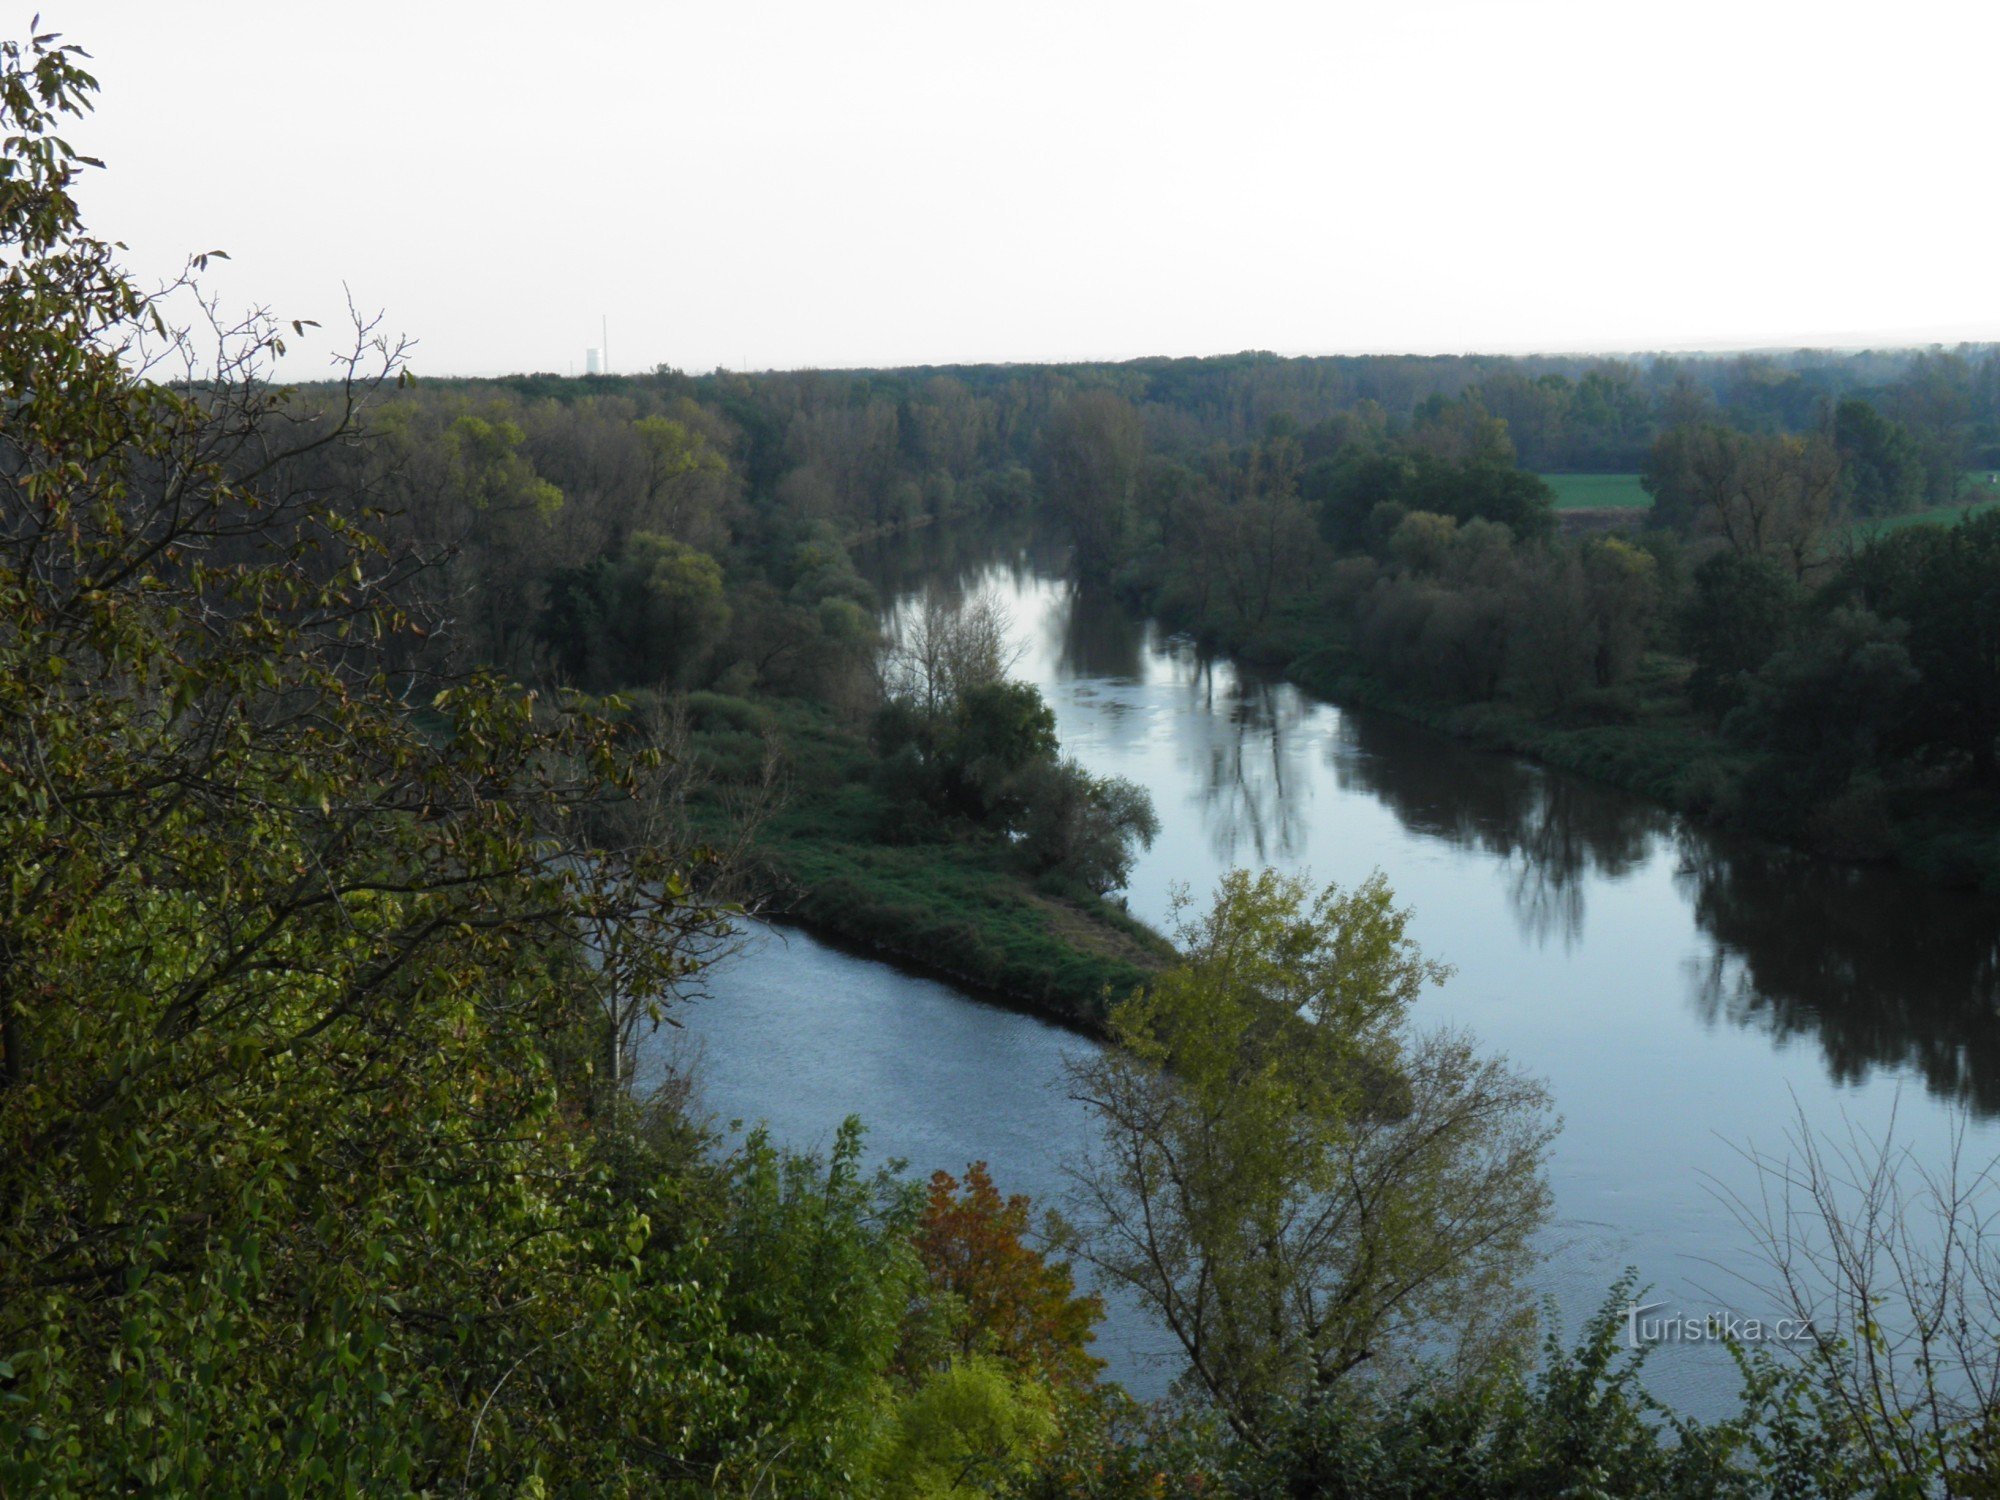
{"x":767,"y":185}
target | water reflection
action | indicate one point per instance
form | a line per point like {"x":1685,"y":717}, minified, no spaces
{"x":950,"y":558}
{"x":1257,"y":799}
{"x":1884,"y":974}
{"x":1096,"y":636}
{"x":1881,"y":972}
{"x":1682,"y":994}
{"x":1555,"y":832}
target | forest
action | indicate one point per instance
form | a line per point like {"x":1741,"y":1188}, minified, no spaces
{"x":1793,"y":638}
{"x":381,"y":759}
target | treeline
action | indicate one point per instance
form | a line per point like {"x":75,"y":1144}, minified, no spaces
{"x":1377,"y":521}
{"x":1566,"y":413}
{"x":1742,"y":650}
{"x":673,"y":533}
{"x":561,"y":495}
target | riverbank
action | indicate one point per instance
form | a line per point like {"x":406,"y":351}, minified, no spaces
{"x":829,"y":860}
{"x":1649,"y":740}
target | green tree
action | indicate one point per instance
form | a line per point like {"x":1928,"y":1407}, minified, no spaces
{"x":1882,"y":463}
{"x":1825,"y":702}
{"x":969,"y":1430}
{"x":1622,"y":583}
{"x":302,"y":1182}
{"x":682,"y":484}
{"x":1944,"y":582}
{"x":647,"y":617}
{"x":1766,"y":496}
{"x":1740,"y":610}
{"x":674,"y":608}
{"x":1092,"y":453}
{"x":1085,"y":828}
{"x":996,"y":731}
{"x":1294,"y":1183}
{"x":1485,"y":489}
{"x":815,"y":1270}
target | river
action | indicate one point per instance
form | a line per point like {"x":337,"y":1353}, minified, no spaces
{"x":1686,"y":997}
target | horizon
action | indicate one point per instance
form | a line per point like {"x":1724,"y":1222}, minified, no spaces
{"x":778,"y":187}
{"x":1628,"y":356}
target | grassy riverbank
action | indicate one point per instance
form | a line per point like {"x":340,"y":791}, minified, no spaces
{"x":831,"y":859}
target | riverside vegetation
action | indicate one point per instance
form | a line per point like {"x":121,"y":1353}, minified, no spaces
{"x":1794,"y":638}
{"x":342,"y":880}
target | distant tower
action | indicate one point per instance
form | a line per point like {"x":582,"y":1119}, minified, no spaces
{"x":593,"y":362}
{"x":604,"y":341}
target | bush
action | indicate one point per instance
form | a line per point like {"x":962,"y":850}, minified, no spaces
{"x":720,"y":711}
{"x":1089,"y":828}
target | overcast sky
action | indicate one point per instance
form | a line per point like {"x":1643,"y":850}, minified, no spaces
{"x":762,"y":185}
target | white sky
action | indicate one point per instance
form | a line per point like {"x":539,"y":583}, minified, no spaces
{"x":776,"y":185}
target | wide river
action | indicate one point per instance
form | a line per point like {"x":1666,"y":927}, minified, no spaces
{"x":1687,"y":998}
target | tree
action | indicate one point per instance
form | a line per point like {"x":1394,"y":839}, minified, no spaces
{"x":647,"y":617}
{"x":1826,"y":701}
{"x":672,"y":607}
{"x":1422,"y":541}
{"x":1486,"y":489}
{"x":1945,"y":583}
{"x":1552,"y":644}
{"x":1766,"y":496}
{"x":1362,"y":496}
{"x":683,"y":481}
{"x":1739,"y":612}
{"x":1092,"y":454}
{"x":1264,"y":537}
{"x":1933,"y":401}
{"x":1013,"y":1302}
{"x":463,"y":484}
{"x":299,"y":1189}
{"x":996,"y":732}
{"x":1458,"y":432}
{"x":1294,"y":1183}
{"x":1688,"y":471}
{"x":1890,"y":1260}
{"x":1624,"y":591}
{"x":967,"y":1431}
{"x":1085,"y":828}
{"x":942,"y":649}
{"x":1882,"y":463}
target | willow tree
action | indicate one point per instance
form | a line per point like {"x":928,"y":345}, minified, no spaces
{"x":1298,"y":1185}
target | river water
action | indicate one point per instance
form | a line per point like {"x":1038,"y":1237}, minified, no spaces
{"x":1687,"y":998}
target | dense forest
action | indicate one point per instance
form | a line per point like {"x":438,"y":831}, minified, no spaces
{"x":1793,"y":637}
{"x":380,"y":761}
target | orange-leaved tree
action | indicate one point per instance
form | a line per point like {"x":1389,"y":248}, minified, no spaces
{"x":1016,"y":1303}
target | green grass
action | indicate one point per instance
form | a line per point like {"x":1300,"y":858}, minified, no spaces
{"x":1598,"y":491}
{"x":1622,"y":492}
{"x":1976,"y":496}
{"x":949,"y":904}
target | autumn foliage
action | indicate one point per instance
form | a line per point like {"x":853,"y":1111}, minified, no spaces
{"x":1016,"y":1304}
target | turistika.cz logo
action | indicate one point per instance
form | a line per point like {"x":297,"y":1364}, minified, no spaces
{"x":1709,"y":1328}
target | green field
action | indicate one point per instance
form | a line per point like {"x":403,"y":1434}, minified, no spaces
{"x":1976,"y":496}
{"x":1597,"y":491}
{"x":1622,"y":492}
